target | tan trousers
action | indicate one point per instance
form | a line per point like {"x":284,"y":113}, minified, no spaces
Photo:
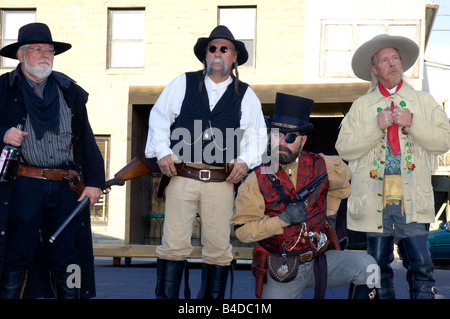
{"x":214,"y":203}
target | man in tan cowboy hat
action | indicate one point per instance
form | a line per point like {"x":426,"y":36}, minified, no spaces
{"x":391,"y":137}
{"x":56,"y":141}
{"x":293,"y":229}
{"x":195,"y":120}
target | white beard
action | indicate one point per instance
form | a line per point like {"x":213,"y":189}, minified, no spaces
{"x":39,"y":72}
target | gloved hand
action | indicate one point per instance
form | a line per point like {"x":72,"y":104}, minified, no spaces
{"x":294,"y":214}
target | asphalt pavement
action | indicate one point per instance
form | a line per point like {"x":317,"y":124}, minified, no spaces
{"x":137,"y":280}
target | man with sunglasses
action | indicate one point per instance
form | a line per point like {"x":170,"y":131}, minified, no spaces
{"x":213,"y":123}
{"x":56,"y":142}
{"x":293,"y":233}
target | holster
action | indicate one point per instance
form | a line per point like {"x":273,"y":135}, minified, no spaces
{"x":162,"y":185}
{"x":332,"y":236}
{"x":75,"y":182}
{"x":259,"y":269}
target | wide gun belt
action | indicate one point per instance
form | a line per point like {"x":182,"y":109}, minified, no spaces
{"x":44,"y":173}
{"x":206,"y":175}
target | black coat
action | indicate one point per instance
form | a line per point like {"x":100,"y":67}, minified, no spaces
{"x":88,"y":161}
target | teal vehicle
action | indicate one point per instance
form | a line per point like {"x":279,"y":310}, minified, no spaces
{"x":439,"y":243}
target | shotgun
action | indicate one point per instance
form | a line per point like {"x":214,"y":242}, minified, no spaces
{"x":135,"y":168}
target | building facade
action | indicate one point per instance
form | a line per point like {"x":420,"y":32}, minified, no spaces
{"x":125,"y":51}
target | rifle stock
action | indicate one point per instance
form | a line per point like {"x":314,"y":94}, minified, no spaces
{"x":135,"y":168}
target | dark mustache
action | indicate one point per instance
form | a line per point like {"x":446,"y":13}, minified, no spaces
{"x":284,"y":149}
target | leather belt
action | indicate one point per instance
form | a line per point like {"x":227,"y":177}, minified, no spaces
{"x":44,"y":173}
{"x":205,"y":175}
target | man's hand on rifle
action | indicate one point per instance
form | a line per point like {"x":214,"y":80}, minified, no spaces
{"x":93,"y":193}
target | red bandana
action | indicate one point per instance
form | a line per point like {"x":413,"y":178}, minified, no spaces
{"x":392,"y":131}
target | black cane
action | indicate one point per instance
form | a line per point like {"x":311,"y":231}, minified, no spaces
{"x":82,"y":205}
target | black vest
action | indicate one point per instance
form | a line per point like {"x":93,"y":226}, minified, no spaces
{"x":202,"y":135}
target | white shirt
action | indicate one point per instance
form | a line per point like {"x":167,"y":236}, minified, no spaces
{"x":168,"y":106}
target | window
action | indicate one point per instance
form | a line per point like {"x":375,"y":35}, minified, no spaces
{"x":242,"y":23}
{"x":126,"y":38}
{"x":99,"y":212}
{"x":340,"y":39}
{"x":11,"y":21}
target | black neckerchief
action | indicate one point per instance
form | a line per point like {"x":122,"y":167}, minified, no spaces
{"x":43,"y":112}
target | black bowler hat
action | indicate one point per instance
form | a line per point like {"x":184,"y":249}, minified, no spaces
{"x":291,"y":114}
{"x":220,"y":32}
{"x":33,"y":33}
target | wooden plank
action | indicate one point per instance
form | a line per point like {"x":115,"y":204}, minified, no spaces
{"x":149,"y":251}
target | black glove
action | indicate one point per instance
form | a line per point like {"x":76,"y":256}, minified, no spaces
{"x":294,"y":214}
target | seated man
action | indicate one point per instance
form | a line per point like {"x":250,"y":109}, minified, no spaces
{"x":292,"y":232}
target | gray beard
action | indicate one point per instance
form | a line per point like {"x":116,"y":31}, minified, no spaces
{"x":224,"y":67}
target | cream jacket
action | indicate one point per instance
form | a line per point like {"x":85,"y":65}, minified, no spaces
{"x":363,"y":145}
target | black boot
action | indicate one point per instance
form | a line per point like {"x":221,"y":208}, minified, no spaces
{"x":418,"y":262}
{"x":60,"y":286}
{"x":12,"y":284}
{"x":214,"y":281}
{"x":382,"y":249}
{"x":169,"y":274}
{"x":361,"y":292}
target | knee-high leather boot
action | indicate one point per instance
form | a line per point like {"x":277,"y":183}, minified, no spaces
{"x":382,"y":249}
{"x":12,"y":284}
{"x":60,"y":286}
{"x":419,"y":265}
{"x":169,"y":274}
{"x":214,"y":281}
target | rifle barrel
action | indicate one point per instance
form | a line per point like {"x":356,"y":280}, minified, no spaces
{"x":82,"y":205}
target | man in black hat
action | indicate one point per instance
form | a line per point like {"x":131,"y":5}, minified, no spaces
{"x":56,"y":141}
{"x":292,"y":231}
{"x":218,"y":132}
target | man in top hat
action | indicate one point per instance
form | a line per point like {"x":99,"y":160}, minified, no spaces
{"x":56,"y":141}
{"x":293,"y":233}
{"x":211,"y":124}
{"x":391,"y":137}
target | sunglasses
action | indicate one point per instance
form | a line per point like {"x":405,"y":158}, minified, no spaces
{"x":289,"y":138}
{"x":222,"y":49}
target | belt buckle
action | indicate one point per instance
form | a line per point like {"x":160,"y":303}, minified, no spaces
{"x":43,"y":171}
{"x":204,"y":178}
{"x":306,"y":256}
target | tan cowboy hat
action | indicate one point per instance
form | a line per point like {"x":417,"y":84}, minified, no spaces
{"x":362,"y":59}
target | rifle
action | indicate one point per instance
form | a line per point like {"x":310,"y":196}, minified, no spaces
{"x":135,"y":168}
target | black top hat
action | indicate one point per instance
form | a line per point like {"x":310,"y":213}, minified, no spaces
{"x":291,"y":114}
{"x":33,"y":33}
{"x":220,"y":32}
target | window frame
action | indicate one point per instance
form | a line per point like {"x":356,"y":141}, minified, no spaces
{"x":110,"y":40}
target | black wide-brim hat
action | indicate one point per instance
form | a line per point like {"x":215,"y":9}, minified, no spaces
{"x":33,"y":33}
{"x":220,"y":32}
{"x":291,"y":114}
